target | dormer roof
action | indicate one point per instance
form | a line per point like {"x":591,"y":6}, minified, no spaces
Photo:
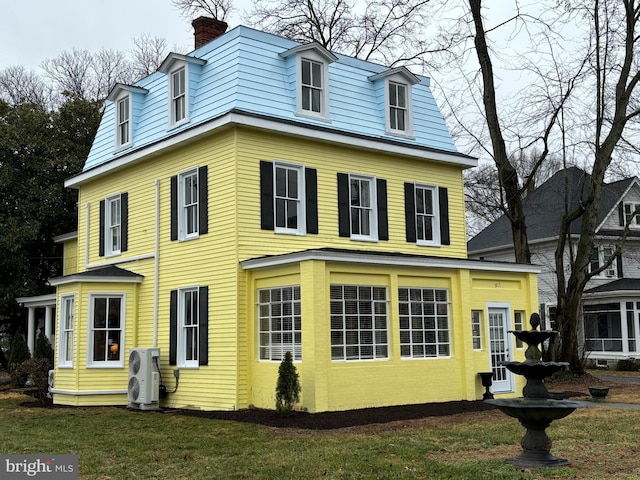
{"x":314,"y":47}
{"x":409,"y":77}
{"x":172,"y":58}
{"x":118,"y":88}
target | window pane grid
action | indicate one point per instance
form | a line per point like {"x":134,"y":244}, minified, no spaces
{"x":397,"y":106}
{"x":123,"y":121}
{"x":287,"y":196}
{"x":425,"y":214}
{"x":311,"y":86}
{"x":189,"y":323}
{"x":106,"y":328}
{"x":358,"y":322}
{"x":178,"y":95}
{"x":279,"y":323}
{"x":189,"y":185}
{"x":476,"y":331}
{"x":114,"y":227}
{"x":424,"y":323}
{"x":361,"y":208}
{"x":67,"y":329}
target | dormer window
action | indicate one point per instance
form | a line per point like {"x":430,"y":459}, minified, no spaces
{"x":182,"y":71}
{"x":123,"y":119}
{"x":126,"y":98}
{"x":178,"y":96}
{"x":312,"y":79}
{"x":397,"y":84}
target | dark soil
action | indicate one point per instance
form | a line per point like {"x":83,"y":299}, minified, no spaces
{"x":334,"y":420}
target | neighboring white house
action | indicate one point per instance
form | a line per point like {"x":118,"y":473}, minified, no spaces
{"x":610,"y":328}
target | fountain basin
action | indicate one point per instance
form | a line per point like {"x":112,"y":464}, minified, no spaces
{"x":543,"y":410}
{"x":533,"y":337}
{"x":538,"y":370}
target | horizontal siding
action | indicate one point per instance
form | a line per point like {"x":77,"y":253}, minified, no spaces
{"x":244,"y":70}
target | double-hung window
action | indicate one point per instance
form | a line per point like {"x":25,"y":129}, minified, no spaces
{"x":106,"y":327}
{"x":279,"y":323}
{"x":476,"y":329}
{"x":288,"y":197}
{"x":362,"y":207}
{"x":188,"y":333}
{"x":189,"y":326}
{"x":630,"y":217}
{"x":67,"y":327}
{"x":311,"y":86}
{"x":114,"y":224}
{"x":178,"y":89}
{"x":123,"y":120}
{"x":359,"y":322}
{"x":601,"y":255}
{"x":427,"y":215}
{"x":189,"y":204}
{"x":398,"y":106}
{"x":363,"y":218}
{"x":424,"y":322}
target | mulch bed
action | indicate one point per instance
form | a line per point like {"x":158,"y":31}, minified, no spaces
{"x":334,"y":420}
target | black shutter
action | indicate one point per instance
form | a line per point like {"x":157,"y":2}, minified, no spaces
{"x":410,"y":212}
{"x":101,"y":232}
{"x":266,"y":195}
{"x":174,"y":207}
{"x":203,"y":201}
{"x":344,"y":229}
{"x":619,"y":265}
{"x":124,"y":222}
{"x":203,"y":326}
{"x":311,"y":201}
{"x":621,"y":214}
{"x":444,"y":216}
{"x":383,"y":219}
{"x":173,"y":327}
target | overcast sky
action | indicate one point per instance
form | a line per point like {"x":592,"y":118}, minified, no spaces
{"x":34,"y":30}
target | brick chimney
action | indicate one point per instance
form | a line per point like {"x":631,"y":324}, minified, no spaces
{"x":206,"y":29}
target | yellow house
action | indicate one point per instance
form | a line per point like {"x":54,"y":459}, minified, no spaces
{"x":259,"y":196}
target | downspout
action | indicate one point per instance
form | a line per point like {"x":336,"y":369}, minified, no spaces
{"x":86,"y":234}
{"x":156,"y":280}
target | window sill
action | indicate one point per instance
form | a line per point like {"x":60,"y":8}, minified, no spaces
{"x":122,"y":148}
{"x":364,"y":239}
{"x":311,"y":116}
{"x":106,"y":365}
{"x":174,"y":126}
{"x":399,"y":134}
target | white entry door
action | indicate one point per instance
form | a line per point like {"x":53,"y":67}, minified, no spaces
{"x":499,"y":350}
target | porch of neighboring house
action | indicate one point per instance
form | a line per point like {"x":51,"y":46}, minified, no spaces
{"x":40,"y":315}
{"x":611,"y":321}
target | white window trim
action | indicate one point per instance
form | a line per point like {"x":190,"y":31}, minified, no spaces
{"x":373,"y":209}
{"x":612,"y":270}
{"x":478,"y":337}
{"x":436,"y":215}
{"x":179,"y":65}
{"x":121,"y":348}
{"x":297,"y":348}
{"x":436,"y":329}
{"x":108,"y":247}
{"x":312,"y":56}
{"x":120,"y":145}
{"x":181,"y":350}
{"x":182,"y":218}
{"x":408,"y":131}
{"x":63,"y":342}
{"x":302,"y":217}
{"x":631,"y":206}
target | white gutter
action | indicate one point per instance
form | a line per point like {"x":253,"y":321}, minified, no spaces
{"x":156,"y":267}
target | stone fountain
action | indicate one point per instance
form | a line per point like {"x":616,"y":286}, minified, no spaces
{"x":535,"y":410}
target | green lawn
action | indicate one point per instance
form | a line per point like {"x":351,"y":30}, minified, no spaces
{"x":114,"y":443}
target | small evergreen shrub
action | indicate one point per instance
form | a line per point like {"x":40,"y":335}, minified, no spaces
{"x":43,"y":348}
{"x":19,"y":351}
{"x":288,"y":387}
{"x":36,"y":371}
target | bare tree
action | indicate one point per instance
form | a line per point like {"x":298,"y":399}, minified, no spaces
{"x":218,"y":9}
{"x":109,"y":67}
{"x":391,"y":32}
{"x":19,"y":85}
{"x":148,"y":53}
{"x":71,"y":72}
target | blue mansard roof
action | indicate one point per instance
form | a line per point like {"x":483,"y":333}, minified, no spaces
{"x":248,"y":76}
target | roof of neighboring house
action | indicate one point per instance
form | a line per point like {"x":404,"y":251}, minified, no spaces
{"x":545,"y":207}
{"x":617,"y":285}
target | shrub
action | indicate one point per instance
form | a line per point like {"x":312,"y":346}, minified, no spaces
{"x":628,"y":365}
{"x":37,"y":371}
{"x":19,"y":351}
{"x":288,"y":387}
{"x":43,"y":348}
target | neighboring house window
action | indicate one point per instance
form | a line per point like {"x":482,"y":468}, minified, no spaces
{"x":603,"y":327}
{"x":114,"y":225}
{"x":279,"y":323}
{"x":288,"y":198}
{"x":426,"y":214}
{"x":189,"y":327}
{"x":398,"y":107}
{"x":123,"y":121}
{"x":476,"y":329}
{"x":518,"y":324}
{"x":424,"y":323}
{"x":178,"y":89}
{"x":106,"y":327}
{"x":362,"y":207}
{"x":67,"y":327}
{"x":189,"y":204}
{"x":600,"y":256}
{"x":630,"y":217}
{"x":359,"y":328}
